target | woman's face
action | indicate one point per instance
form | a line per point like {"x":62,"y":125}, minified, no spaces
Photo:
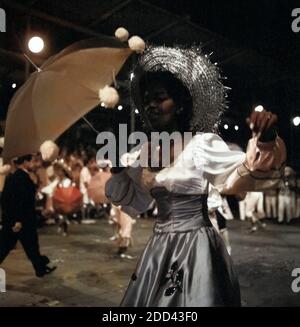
{"x":159,"y":106}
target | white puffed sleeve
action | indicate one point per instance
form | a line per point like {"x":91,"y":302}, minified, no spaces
{"x":233,"y":172}
{"x":125,"y":189}
{"x":214,"y":159}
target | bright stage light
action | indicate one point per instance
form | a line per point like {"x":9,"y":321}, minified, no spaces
{"x":226,"y":126}
{"x":36,"y":44}
{"x":236,"y":127}
{"x":296,"y":121}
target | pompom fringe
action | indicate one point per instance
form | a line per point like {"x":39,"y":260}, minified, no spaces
{"x":122,"y":34}
{"x":109,"y":96}
{"x":136,"y":44}
{"x":49,"y":151}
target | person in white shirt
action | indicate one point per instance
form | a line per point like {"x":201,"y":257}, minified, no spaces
{"x":89,"y":169}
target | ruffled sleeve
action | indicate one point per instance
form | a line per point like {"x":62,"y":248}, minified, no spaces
{"x":126,"y":190}
{"x":233,"y":172}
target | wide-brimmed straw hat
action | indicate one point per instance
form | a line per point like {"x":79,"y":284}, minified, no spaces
{"x":195,"y":71}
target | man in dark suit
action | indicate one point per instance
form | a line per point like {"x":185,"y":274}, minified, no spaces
{"x":19,"y":217}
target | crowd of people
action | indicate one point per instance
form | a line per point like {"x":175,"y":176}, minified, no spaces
{"x":63,"y":195}
{"x":281,"y":203}
{"x":76,"y":170}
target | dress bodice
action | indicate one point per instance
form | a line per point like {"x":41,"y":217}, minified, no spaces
{"x":179,"y":212}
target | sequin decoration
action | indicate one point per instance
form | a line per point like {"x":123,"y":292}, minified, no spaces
{"x":176,"y":277}
{"x":133,"y":277}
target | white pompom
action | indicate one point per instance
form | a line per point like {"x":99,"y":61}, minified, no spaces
{"x":49,"y":151}
{"x":122,"y":34}
{"x":109,"y":96}
{"x":5,"y":169}
{"x":136,"y":44}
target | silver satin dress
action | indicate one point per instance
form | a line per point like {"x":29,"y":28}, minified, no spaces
{"x":185,"y":262}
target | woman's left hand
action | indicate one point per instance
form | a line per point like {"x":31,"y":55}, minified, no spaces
{"x":261,"y":121}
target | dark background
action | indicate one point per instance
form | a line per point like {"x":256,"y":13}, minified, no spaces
{"x":252,"y":42}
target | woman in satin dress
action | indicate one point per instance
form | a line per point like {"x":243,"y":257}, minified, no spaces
{"x":185,"y":262}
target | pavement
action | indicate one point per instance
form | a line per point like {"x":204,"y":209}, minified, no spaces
{"x":90,"y":274}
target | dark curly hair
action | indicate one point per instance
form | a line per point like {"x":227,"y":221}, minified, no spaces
{"x":22,"y":159}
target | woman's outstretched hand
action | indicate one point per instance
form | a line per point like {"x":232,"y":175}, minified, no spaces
{"x":262,"y":124}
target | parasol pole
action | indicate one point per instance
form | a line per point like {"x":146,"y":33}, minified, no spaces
{"x":90,"y":124}
{"x":32,"y":63}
